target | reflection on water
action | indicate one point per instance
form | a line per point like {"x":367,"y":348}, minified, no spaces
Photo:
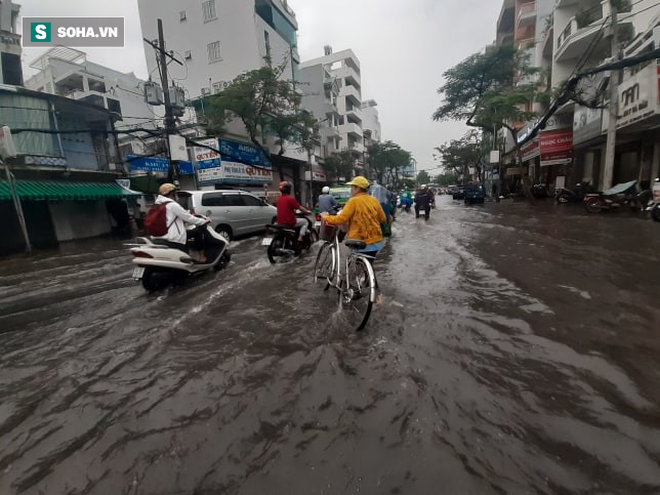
{"x":516,"y":351}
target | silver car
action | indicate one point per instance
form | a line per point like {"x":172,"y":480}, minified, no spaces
{"x":233,"y":213}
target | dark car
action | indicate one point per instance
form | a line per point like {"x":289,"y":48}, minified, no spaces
{"x":459,"y":192}
{"x":474,"y":193}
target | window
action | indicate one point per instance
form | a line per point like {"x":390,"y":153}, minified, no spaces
{"x":231,"y":200}
{"x":213,"y":50}
{"x":217,"y":87}
{"x":208,"y":11}
{"x":251,"y":200}
{"x":212,"y":199}
{"x":182,"y":16}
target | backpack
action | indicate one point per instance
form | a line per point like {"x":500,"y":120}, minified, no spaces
{"x":156,"y":221}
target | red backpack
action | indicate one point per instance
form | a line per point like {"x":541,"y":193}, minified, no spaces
{"x":156,"y":221}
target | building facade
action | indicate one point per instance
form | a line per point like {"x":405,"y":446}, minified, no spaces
{"x":344,"y":66}
{"x":11,"y":71}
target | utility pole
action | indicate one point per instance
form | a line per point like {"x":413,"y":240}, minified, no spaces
{"x":169,"y":119}
{"x":610,"y":147}
{"x":11,"y":181}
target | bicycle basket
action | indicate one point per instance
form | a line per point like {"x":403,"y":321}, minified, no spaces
{"x":328,"y":232}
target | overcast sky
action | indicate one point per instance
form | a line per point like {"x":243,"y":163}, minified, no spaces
{"x":403,"y":47}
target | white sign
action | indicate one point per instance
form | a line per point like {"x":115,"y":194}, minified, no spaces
{"x":495,"y":156}
{"x":241,"y":171}
{"x":203,"y":154}
{"x":638,"y":97}
{"x":178,"y":150}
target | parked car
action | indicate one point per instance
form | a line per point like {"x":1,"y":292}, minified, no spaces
{"x":459,"y":193}
{"x":474,"y":193}
{"x":233,"y":212}
{"x":452,"y":189}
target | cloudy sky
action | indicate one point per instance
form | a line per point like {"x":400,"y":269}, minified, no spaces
{"x":403,"y":47}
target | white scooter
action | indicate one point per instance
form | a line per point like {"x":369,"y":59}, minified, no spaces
{"x":157,"y":264}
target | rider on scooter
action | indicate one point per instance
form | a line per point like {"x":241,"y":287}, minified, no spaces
{"x":286,"y":211}
{"x":177,"y":218}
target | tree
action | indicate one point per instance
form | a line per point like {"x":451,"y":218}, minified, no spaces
{"x":265,"y":103}
{"x":458,"y":154}
{"x":340,"y":164}
{"x":492,"y":90}
{"x":423,"y":177}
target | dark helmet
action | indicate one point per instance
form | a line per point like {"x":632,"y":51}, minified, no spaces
{"x":285,"y":187}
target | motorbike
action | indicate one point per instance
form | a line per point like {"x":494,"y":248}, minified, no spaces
{"x":564,"y":195}
{"x":653,"y":204}
{"x":540,"y":190}
{"x":625,"y":194}
{"x":282,"y":240}
{"x":158,"y":264}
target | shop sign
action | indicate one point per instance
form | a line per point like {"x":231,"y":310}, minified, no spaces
{"x":530,"y":150}
{"x":586,"y":124}
{"x":556,"y":147}
{"x":638,"y":99}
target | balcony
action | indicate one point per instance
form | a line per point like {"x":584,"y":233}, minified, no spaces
{"x":354,"y":115}
{"x":352,"y":94}
{"x":527,"y":14}
{"x":351,"y":129}
{"x":348,"y":74}
{"x":581,"y":31}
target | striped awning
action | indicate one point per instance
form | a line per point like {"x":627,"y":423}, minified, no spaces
{"x":64,"y":191}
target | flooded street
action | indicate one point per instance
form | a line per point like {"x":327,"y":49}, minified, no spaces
{"x":515,"y":351}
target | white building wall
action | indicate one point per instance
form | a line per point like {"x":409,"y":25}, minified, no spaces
{"x":233,"y":27}
{"x":370,"y":120}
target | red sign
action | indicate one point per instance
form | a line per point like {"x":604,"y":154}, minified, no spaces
{"x":556,"y":147}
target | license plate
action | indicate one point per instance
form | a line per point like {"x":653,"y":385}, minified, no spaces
{"x":266,"y":241}
{"x":317,"y":224}
{"x":138,"y":272}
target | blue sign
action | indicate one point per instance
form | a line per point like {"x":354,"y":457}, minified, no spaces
{"x":234,"y":151}
{"x":156,"y":164}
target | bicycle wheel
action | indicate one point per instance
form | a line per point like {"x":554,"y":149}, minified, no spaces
{"x":324,"y":267}
{"x":358,"y":293}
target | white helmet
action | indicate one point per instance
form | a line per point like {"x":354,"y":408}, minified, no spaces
{"x":325,"y":190}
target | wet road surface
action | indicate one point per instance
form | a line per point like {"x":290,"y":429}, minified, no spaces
{"x":516,"y":351}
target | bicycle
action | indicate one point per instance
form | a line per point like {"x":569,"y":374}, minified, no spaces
{"x":354,"y":279}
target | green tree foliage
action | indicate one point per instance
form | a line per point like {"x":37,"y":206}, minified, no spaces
{"x":266,"y":104}
{"x":490,"y":90}
{"x":423,"y":177}
{"x":387,"y":160}
{"x":457,"y":155}
{"x":341,"y":164}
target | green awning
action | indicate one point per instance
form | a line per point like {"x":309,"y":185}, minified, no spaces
{"x":64,"y":191}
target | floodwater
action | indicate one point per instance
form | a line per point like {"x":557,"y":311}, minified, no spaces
{"x":516,"y":350}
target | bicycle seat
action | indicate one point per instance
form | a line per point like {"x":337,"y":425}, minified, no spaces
{"x":351,"y":243}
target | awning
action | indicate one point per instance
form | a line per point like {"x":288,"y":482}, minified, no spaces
{"x":65,"y":191}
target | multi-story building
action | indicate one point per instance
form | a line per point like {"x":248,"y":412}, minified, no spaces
{"x":11,"y":71}
{"x":582,"y":38}
{"x":370,"y":120}
{"x":219,"y":39}
{"x":345,"y":67}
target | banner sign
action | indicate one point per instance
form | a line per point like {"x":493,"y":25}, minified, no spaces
{"x":637,"y":97}
{"x":556,"y":147}
{"x":237,"y":163}
{"x":156,"y":164}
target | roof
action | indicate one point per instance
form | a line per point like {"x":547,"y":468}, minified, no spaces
{"x":67,"y":191}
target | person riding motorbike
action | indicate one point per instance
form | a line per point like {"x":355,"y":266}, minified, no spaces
{"x":286,"y":211}
{"x":406,"y":199}
{"x":422,"y":201}
{"x":327,"y":202}
{"x":364,"y":214}
{"x":177,"y":235}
